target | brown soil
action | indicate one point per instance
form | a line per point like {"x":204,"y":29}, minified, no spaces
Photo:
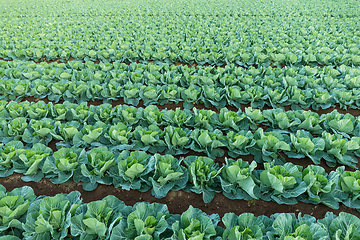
{"x":177,"y":201}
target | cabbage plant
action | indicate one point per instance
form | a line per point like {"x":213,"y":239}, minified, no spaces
{"x":14,"y":207}
{"x":208,"y":142}
{"x":321,"y":186}
{"x":96,"y":220}
{"x":132,"y":170}
{"x":63,"y":164}
{"x":94,"y":168}
{"x":238,"y":181}
{"x":30,"y":162}
{"x":146,"y":221}
{"x":49,"y":217}
{"x":168,"y":175}
{"x":13,"y":130}
{"x":194,"y":224}
{"x":245,"y":226}
{"x":203,"y":174}
{"x":7,"y":155}
{"x":282,"y":183}
{"x":349,"y":183}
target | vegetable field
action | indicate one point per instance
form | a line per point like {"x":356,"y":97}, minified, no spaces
{"x":174,"y":120}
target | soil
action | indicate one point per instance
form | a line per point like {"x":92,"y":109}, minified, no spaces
{"x":177,"y":201}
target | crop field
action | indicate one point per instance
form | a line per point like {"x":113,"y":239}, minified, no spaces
{"x":179,"y":119}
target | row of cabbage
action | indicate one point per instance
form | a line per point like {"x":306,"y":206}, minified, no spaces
{"x":164,"y":84}
{"x":324,"y":56}
{"x":65,"y":216}
{"x":226,"y":120}
{"x":261,"y":33}
{"x":230,"y":75}
{"x":138,"y":170}
{"x":264,"y":146}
